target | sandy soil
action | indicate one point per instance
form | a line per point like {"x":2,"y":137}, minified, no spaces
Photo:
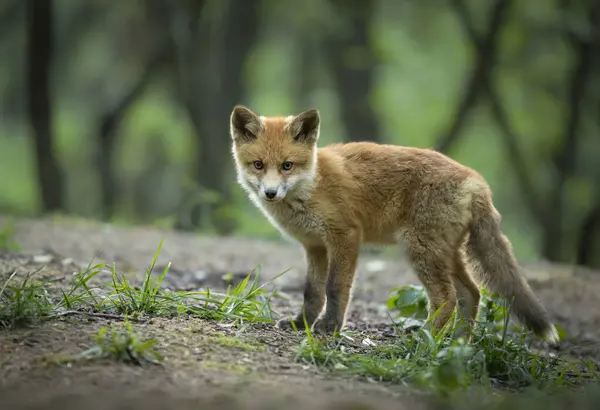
{"x":201,"y":368}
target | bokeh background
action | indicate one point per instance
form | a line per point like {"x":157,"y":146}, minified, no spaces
{"x":118,"y":110}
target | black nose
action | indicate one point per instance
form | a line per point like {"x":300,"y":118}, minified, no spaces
{"x":270,"y":193}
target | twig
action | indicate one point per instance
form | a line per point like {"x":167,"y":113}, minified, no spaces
{"x":94,"y":314}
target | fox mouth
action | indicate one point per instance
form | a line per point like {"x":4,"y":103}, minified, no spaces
{"x":272,"y":200}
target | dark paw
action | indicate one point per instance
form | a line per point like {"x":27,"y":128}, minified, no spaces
{"x":287,"y":324}
{"x":327,"y":326}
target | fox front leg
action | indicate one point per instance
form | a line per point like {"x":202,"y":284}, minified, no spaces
{"x":314,"y":288}
{"x":343,"y":257}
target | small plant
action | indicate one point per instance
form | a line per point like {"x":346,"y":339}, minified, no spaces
{"x":148,"y":299}
{"x":81,"y":296}
{"x":23,"y":302}
{"x":124,"y":346}
{"x":242,"y":302}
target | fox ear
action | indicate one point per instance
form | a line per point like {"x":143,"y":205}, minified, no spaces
{"x":244,"y":124}
{"x":304,"y":128}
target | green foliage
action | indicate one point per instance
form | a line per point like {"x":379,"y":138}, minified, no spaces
{"x":445,"y":362}
{"x":410,"y":301}
{"x":18,"y":194}
{"x":7,"y":237}
{"x":410,"y":304}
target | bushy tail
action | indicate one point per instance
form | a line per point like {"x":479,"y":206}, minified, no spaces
{"x":497,"y":269}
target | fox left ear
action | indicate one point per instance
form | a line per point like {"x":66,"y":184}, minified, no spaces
{"x":305,"y":127}
{"x":244,"y":124}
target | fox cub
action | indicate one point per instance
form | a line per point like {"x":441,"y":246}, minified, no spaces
{"x":333,"y":199}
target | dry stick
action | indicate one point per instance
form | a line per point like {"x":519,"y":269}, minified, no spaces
{"x":93,"y":314}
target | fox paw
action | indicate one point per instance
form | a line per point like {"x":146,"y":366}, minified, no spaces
{"x":288,"y":324}
{"x":327,"y":326}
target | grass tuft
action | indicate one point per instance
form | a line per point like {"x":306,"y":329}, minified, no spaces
{"x":23,"y":302}
{"x":123,"y":346}
{"x":148,"y":299}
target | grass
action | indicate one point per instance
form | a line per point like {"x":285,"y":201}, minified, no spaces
{"x":24,"y":302}
{"x":499,"y":354}
{"x":124,"y":346}
{"x":115,"y":344}
{"x":229,"y":341}
{"x":27,"y":300}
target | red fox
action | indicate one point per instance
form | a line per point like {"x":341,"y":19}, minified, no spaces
{"x":335,"y":198}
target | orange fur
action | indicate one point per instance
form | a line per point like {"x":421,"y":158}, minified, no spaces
{"x":335,"y":198}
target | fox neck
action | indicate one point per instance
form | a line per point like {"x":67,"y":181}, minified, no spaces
{"x":302,"y":191}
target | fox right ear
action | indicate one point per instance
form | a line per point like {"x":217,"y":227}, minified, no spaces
{"x":244,"y":124}
{"x":305,"y":126}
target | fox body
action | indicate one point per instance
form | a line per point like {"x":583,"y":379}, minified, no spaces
{"x":333,"y":199}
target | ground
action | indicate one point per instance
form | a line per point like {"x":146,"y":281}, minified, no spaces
{"x":213,"y":363}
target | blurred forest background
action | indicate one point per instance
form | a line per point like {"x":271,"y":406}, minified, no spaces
{"x":118,"y":110}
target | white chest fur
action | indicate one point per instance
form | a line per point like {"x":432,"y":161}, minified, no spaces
{"x":293,"y":220}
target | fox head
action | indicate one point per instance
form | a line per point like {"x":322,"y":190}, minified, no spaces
{"x":275,"y":157}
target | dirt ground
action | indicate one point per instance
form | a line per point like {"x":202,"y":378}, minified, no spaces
{"x":202,"y":367}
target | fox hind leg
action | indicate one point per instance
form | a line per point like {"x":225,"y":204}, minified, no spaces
{"x":433,"y":262}
{"x":468,"y":294}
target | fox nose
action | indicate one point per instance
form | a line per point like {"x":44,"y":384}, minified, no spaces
{"x":270,"y":193}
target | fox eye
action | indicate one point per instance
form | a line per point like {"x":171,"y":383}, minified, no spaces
{"x":287,"y":165}
{"x":258,"y":164}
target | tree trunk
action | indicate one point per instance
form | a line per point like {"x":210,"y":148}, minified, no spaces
{"x":39,"y":61}
{"x":239,"y":34}
{"x":589,"y":228}
{"x":554,"y":230}
{"x":109,"y":126}
{"x":352,"y":62}
{"x":211,"y":67}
